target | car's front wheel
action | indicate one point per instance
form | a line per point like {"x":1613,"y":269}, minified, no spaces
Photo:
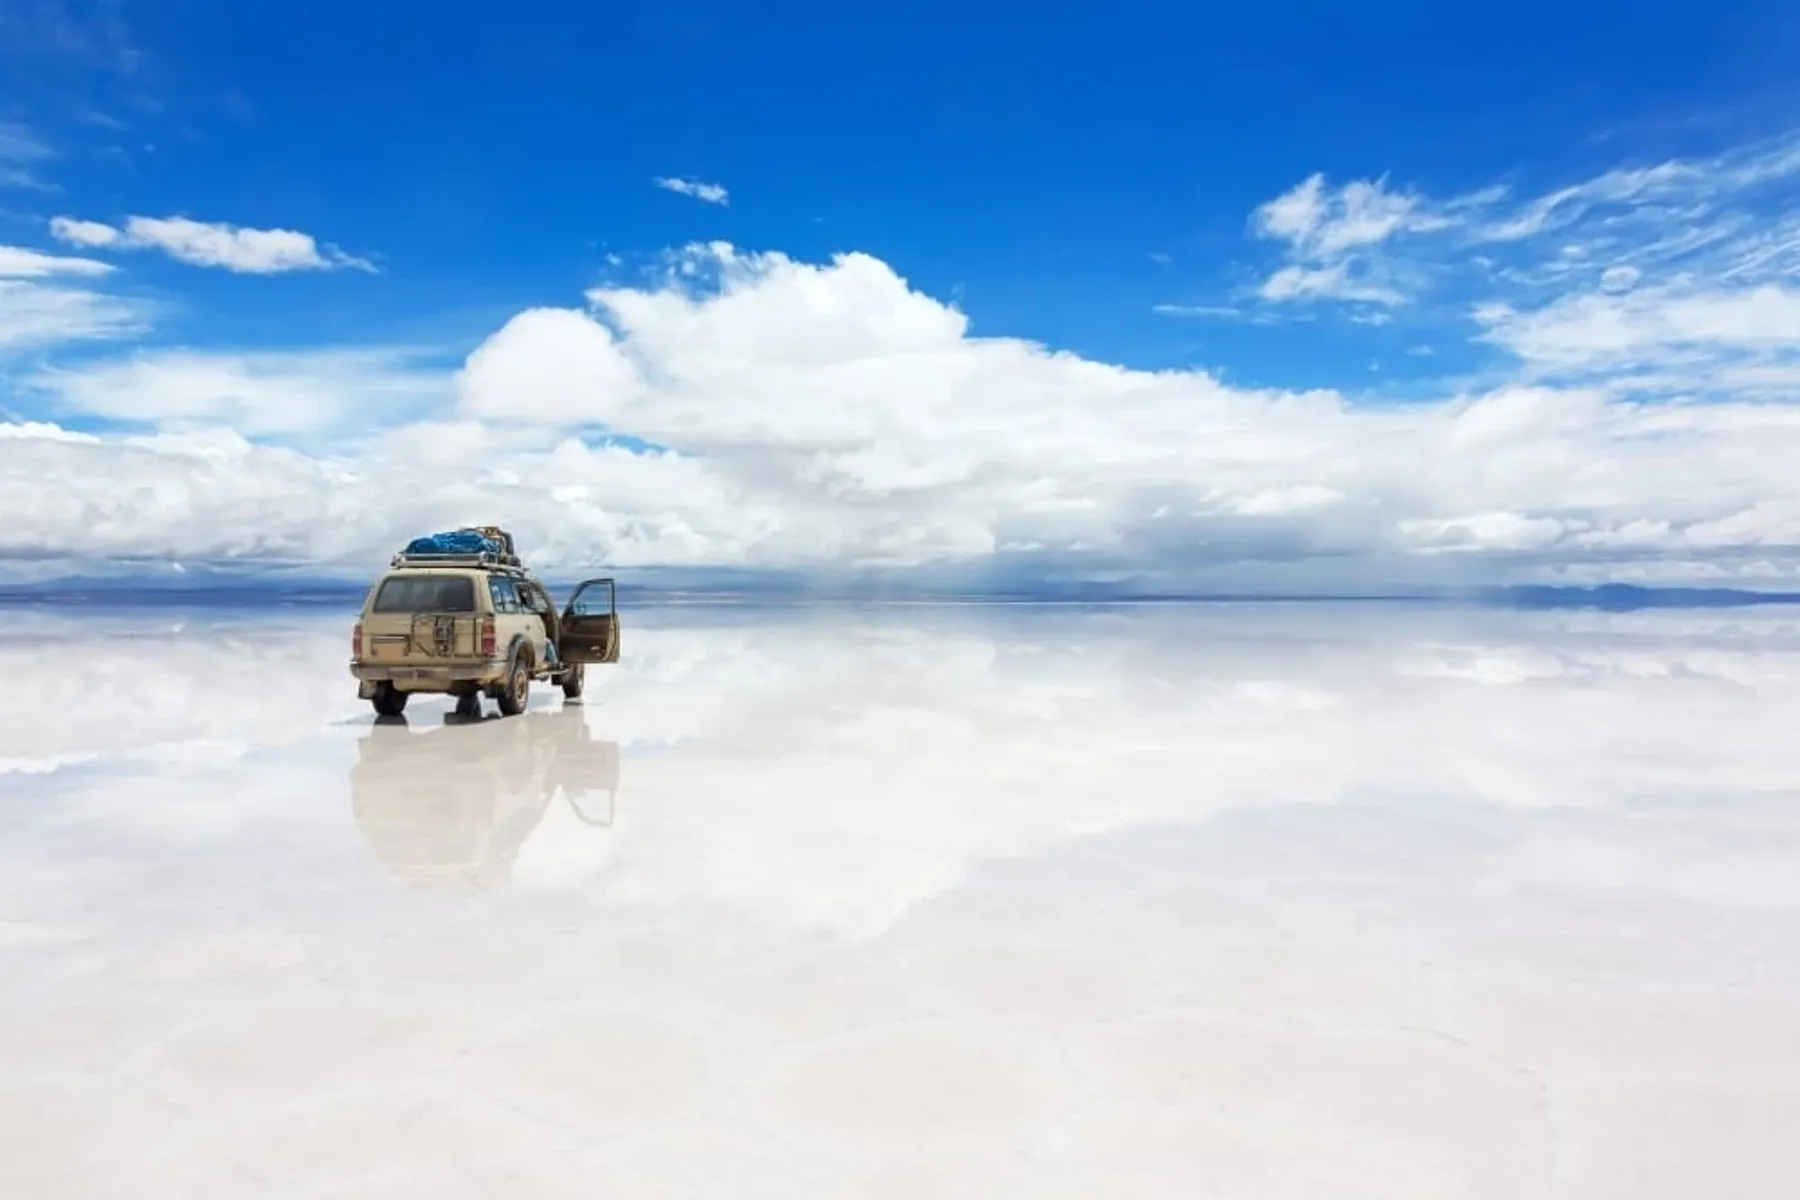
{"x":572,"y":681}
{"x":389,"y":701}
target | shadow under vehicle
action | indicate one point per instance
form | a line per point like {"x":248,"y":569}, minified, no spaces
{"x":452,"y":806}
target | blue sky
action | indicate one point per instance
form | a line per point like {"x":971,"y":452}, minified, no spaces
{"x":1126,"y":185}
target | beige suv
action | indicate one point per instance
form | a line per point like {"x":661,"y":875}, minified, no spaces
{"x":475,"y":625}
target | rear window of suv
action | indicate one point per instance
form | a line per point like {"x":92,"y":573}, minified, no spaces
{"x":426,"y":593}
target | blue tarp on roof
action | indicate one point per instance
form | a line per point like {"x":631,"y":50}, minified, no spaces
{"x":461,"y":541}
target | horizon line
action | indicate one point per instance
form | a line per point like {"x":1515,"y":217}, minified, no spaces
{"x":125,"y":593}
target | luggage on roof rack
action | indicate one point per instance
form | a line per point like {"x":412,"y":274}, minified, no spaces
{"x":496,"y":534}
{"x":487,"y":545}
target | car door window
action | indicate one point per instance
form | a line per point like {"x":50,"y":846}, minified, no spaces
{"x":593,"y":599}
{"x":506,"y":599}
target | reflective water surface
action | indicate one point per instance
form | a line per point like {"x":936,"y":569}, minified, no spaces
{"x":1294,"y":902}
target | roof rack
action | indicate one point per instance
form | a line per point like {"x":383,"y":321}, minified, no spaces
{"x":508,"y":563}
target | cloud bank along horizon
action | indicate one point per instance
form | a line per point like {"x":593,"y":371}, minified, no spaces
{"x":746,"y":410}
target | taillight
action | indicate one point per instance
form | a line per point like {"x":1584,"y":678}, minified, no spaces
{"x":356,"y":641}
{"x":487,"y":637}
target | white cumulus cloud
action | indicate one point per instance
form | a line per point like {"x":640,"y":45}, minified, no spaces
{"x":553,"y":366}
{"x":829,"y":417}
{"x":210,"y":244}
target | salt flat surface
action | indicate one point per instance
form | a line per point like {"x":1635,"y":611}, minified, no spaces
{"x":1318,"y":903}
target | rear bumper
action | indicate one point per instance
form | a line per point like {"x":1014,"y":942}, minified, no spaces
{"x":438,"y":677}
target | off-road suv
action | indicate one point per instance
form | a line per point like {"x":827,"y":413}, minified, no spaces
{"x":471,"y":625}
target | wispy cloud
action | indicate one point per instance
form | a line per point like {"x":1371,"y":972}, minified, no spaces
{"x":211,"y":244}
{"x":1320,"y":224}
{"x":1683,"y":276}
{"x":1331,"y":235}
{"x":35,"y":313}
{"x":20,"y":153}
{"x":258,"y":394}
{"x":1367,"y":241}
{"x":1569,"y":204}
{"x":1338,"y":281}
{"x":16,"y":262}
{"x":1674,"y":276}
{"x":48,"y":29}
{"x":1219,"y":312}
{"x":1648,"y":336}
{"x":711,"y":193}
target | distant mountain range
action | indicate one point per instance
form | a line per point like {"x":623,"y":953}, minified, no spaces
{"x":1616,"y":597}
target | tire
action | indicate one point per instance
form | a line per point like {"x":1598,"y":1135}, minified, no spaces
{"x":517,"y":692}
{"x":572,"y":680}
{"x":389,"y":701}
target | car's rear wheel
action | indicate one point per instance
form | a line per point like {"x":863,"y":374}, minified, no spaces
{"x":572,"y":680}
{"x":389,"y":701}
{"x":518,"y":688}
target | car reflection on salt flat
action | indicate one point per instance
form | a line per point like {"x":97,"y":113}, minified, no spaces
{"x":453,"y":805}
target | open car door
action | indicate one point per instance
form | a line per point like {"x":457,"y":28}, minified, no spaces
{"x":590,"y":624}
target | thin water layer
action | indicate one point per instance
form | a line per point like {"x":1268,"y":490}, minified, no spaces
{"x":1233,"y":901}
